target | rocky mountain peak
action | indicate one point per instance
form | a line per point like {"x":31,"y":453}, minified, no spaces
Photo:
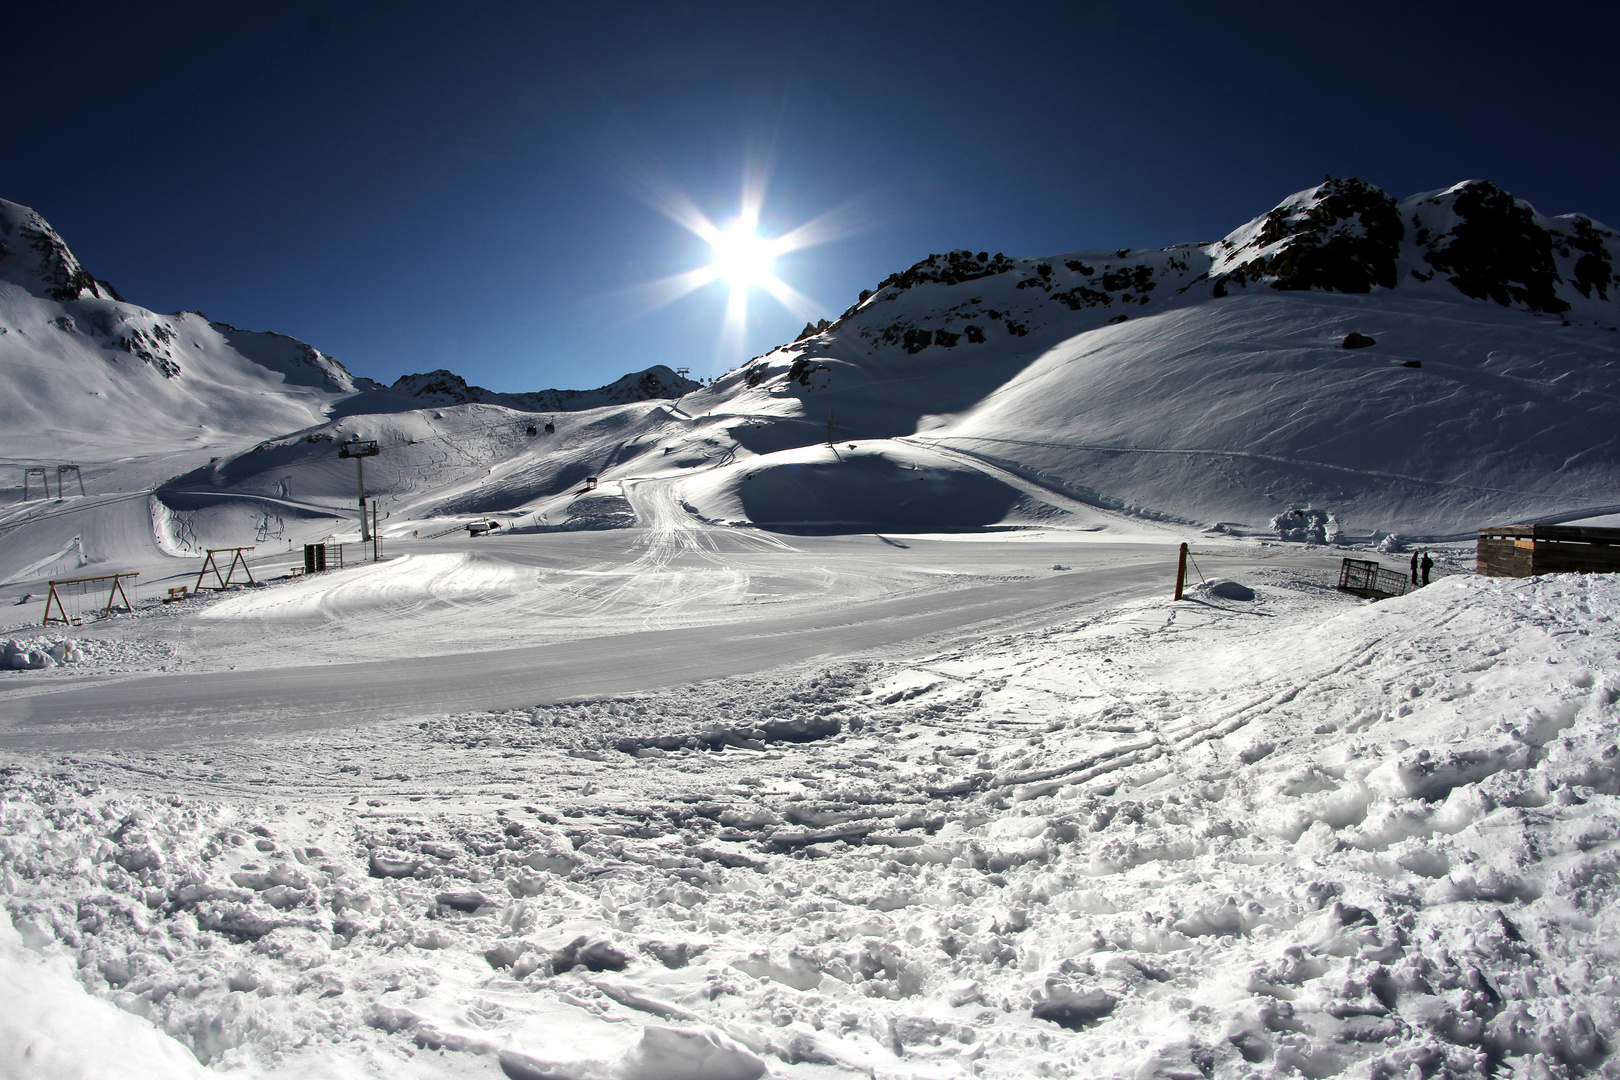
{"x":34,"y":256}
{"x":1492,"y":246}
{"x":1349,"y":236}
{"x":440,"y":386}
{"x":1343,"y":235}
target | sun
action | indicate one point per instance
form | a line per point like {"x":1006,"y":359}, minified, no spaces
{"x":743,"y":258}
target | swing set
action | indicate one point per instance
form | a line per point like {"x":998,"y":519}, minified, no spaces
{"x":210,"y":563}
{"x":69,"y":593}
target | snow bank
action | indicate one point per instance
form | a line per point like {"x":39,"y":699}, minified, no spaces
{"x":15,"y":656}
{"x":86,"y":656}
{"x":51,"y":1029}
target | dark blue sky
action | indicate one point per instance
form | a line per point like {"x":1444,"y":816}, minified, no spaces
{"x":418,"y":186}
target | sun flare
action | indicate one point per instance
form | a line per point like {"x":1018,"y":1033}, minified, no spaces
{"x":743,"y":258}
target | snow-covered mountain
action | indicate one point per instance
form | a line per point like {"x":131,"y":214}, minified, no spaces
{"x":443,"y":387}
{"x":82,"y":370}
{"x":1429,"y":364}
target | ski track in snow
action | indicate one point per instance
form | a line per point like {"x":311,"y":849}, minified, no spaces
{"x":1300,"y":836}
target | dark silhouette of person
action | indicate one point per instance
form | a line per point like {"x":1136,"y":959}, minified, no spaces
{"x":1427,"y":564}
{"x":1415,"y":555}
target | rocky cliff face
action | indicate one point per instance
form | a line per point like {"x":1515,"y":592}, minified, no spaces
{"x":1491,"y":246}
{"x":1344,"y":236}
{"x":1348,"y":236}
{"x":34,"y":256}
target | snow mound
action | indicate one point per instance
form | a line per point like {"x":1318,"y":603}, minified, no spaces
{"x":666,"y":1053}
{"x":51,"y":1029}
{"x":883,"y":484}
{"x":407,"y":585}
{"x":1307,"y":526}
{"x":1230,"y":590}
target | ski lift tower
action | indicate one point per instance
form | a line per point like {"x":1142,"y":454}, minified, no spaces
{"x":360,"y":449}
{"x":44,"y":478}
{"x":61,"y":476}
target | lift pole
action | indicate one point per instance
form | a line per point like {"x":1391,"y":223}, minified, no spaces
{"x":1181,"y":571}
{"x":360,"y":449}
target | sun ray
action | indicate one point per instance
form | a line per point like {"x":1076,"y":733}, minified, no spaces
{"x":649,"y":183}
{"x":734,"y":327}
{"x":652,"y":295}
{"x":799,"y":305}
{"x":756,"y":177}
{"x":851,"y":219}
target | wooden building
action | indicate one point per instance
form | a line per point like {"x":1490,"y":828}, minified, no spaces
{"x":1528,"y":550}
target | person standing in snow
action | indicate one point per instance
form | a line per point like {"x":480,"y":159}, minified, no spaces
{"x":1427,"y":564}
{"x":1415,"y":567}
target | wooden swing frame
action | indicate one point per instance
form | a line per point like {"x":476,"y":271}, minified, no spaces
{"x":115,"y":591}
{"x":210,"y":563}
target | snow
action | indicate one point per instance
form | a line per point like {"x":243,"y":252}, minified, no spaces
{"x":51,"y":1029}
{"x":844,"y":726}
{"x":400,"y":587}
{"x":1299,"y":831}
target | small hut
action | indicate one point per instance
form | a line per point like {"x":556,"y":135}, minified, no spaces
{"x":1528,"y":550}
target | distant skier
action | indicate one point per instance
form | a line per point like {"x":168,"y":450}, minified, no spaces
{"x":1427,"y":564}
{"x":1415,"y":555}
